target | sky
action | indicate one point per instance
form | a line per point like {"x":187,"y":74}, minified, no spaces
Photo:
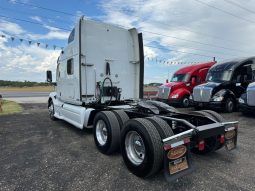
{"x":176,"y":33}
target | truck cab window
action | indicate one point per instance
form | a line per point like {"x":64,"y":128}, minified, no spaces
{"x":243,"y":73}
{"x":70,"y":66}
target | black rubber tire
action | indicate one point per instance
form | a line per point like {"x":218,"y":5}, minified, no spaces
{"x":228,"y":107}
{"x":211,"y":143}
{"x":201,"y":113}
{"x":154,"y":156}
{"x":173,"y":109}
{"x":216,"y":116}
{"x":113,"y":132}
{"x":121,"y":116}
{"x":52,"y":114}
{"x":183,"y":102}
{"x":197,"y":107}
{"x":219,"y":119}
{"x":162,"y":127}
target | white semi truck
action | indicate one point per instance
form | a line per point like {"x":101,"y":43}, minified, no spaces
{"x":99,"y":85}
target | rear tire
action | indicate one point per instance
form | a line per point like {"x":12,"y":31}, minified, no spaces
{"x":121,"y":116}
{"x":219,"y":119}
{"x":211,"y":143}
{"x":162,"y":127}
{"x":215,"y":115}
{"x":148,"y":162}
{"x":106,"y":131}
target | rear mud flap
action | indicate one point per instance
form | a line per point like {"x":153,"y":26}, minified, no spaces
{"x":230,"y":138}
{"x":177,"y":161}
{"x":230,"y":135}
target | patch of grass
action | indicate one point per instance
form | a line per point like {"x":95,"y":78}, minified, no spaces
{"x":28,"y":89}
{"x":150,"y":89}
{"x":10,"y":107}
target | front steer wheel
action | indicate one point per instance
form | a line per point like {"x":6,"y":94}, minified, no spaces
{"x":230,"y":105}
{"x":185,"y":101}
{"x":106,"y":132}
{"x":51,"y":110}
{"x":141,"y":147}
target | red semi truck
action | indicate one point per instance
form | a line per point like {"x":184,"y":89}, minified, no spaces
{"x":179,"y":89}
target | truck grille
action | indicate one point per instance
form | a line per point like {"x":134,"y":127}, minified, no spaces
{"x":251,"y":95}
{"x":164,"y":92}
{"x":202,"y":94}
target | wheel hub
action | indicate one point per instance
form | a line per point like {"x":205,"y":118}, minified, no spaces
{"x":101,"y":132}
{"x":135,"y":148}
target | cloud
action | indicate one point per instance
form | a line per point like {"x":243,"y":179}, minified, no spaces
{"x":36,"y":18}
{"x":10,"y":27}
{"x":195,"y":33}
{"x":15,"y":29}
{"x":24,"y":62}
{"x":50,"y":35}
{"x":21,"y":61}
{"x":22,"y":1}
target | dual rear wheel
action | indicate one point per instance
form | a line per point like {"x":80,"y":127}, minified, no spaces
{"x":211,"y":143}
{"x":139,"y":140}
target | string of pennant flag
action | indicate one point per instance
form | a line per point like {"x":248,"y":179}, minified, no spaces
{"x":31,"y":42}
{"x":169,"y":62}
{"x":157,"y":60}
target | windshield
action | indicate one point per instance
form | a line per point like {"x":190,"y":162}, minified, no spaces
{"x":180,"y":78}
{"x":220,"y":72}
{"x":216,"y":76}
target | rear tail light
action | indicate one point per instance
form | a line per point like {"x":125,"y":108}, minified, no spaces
{"x":222,"y":139}
{"x":167,"y":147}
{"x":201,"y":145}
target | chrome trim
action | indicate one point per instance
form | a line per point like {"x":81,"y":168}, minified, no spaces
{"x":179,"y":136}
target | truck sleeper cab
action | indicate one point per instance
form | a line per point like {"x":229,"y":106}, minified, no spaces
{"x":226,"y":82}
{"x":92,"y":92}
{"x":247,"y":100}
{"x":180,"y":88}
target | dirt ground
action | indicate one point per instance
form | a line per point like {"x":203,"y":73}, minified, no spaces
{"x":39,"y":154}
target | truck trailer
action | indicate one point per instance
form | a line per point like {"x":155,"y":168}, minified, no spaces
{"x":180,"y":87}
{"x":99,"y":85}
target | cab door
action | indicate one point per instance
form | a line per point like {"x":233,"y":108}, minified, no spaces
{"x":242,"y":76}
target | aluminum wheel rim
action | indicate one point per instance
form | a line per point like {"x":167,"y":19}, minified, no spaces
{"x":101,"y":132}
{"x":135,"y":148}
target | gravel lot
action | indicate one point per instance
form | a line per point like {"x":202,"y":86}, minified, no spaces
{"x":39,"y":154}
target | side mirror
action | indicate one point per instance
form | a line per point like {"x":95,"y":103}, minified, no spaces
{"x":193,"y":81}
{"x":49,"y":76}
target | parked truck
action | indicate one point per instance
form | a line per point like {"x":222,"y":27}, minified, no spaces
{"x":247,"y":100}
{"x":99,"y":83}
{"x":226,"y":82}
{"x":180,"y":87}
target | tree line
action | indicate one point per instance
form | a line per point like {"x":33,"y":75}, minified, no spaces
{"x":7,"y":83}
